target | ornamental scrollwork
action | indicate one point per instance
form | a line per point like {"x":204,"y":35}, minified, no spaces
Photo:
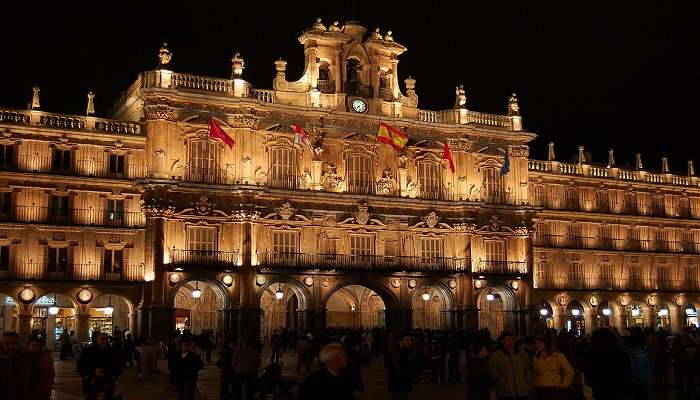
{"x":156,"y":112}
{"x":158,"y":207}
{"x":518,"y":151}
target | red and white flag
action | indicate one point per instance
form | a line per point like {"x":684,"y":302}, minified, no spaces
{"x":447,"y":155}
{"x":302,"y":136}
{"x":215,"y":132}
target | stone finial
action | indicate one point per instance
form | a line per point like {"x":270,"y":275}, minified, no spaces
{"x":638,"y":161}
{"x":550,"y":152}
{"x":664,"y":165}
{"x":335,"y":27}
{"x":238,"y":65}
{"x":461,"y":97}
{"x":164,"y":56}
{"x":691,"y":170}
{"x":318,"y":25}
{"x":513,"y":106}
{"x":280,"y":67}
{"x":388,"y":37}
{"x":611,"y":158}
{"x":90,"y":104}
{"x":581,"y":155}
{"x":375,"y":35}
{"x":410,"y":85}
{"x":35,"y":98}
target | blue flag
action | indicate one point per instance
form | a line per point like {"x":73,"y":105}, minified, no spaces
{"x":506,"y":164}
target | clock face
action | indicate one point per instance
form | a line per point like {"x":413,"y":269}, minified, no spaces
{"x":359,"y":106}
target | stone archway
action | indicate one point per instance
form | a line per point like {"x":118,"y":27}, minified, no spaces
{"x":496,"y":305}
{"x":52,"y":315}
{"x":198,"y":305}
{"x":355,"y":306}
{"x":370,"y":297}
{"x":118,"y":319}
{"x":435,"y":312}
{"x":283,"y":304}
{"x":9,"y":318}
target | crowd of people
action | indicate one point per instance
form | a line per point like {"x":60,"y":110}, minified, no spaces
{"x":550,"y":365}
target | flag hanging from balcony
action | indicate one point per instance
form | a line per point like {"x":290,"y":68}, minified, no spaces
{"x":215,"y":132}
{"x":506,"y":164}
{"x":302,"y":136}
{"x":391,"y":136}
{"x":447,"y":155}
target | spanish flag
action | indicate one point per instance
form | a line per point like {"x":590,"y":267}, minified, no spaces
{"x":391,"y":136}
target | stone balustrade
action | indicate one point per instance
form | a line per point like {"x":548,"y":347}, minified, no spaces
{"x":263,"y":95}
{"x":72,"y":122}
{"x":202,"y":83}
{"x":429,"y":116}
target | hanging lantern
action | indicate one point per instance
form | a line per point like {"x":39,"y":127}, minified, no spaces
{"x":53,"y":310}
{"x":490,"y":297}
{"x":544,"y":312}
{"x":279,"y":295}
{"x":109,"y":310}
{"x":426,"y":295}
{"x":196,"y":293}
{"x":607,"y":312}
{"x":575,"y":312}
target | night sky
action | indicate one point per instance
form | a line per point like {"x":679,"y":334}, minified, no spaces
{"x":622,"y":76}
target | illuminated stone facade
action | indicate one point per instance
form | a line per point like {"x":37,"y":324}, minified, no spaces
{"x":145,"y":206}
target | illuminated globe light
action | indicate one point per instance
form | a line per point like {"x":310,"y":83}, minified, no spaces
{"x":227,"y":280}
{"x":53,"y":310}
{"x":426,"y":295}
{"x":607,"y":312}
{"x":279,"y":295}
{"x":575,"y":312}
{"x":690,"y":311}
{"x":544,"y":312}
{"x":109,"y":310}
{"x":196,"y":293}
{"x":490,"y":297}
{"x":663,"y":312}
{"x":635,"y":312}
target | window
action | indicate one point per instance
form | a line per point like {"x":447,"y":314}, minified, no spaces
{"x":116,"y":164}
{"x":112,"y":261}
{"x":571,"y":198}
{"x":429,"y":178}
{"x":636,"y":275}
{"x":543,"y":276}
{"x":284,"y":242}
{"x":202,"y":239}
{"x":57,"y":259}
{"x":691,"y":278}
{"x":605,"y":276}
{"x":576,"y":274}
{"x":61,"y":160}
{"x":661,"y":241}
{"x":115,"y":211}
{"x":391,"y":249}
{"x":204,"y":161}
{"x":493,"y":186}
{"x":606,"y":241}
{"x":430,"y":249}
{"x":602,"y":201}
{"x":282,"y":168}
{"x":4,"y":258}
{"x":5,"y":204}
{"x":329,"y":246}
{"x":630,"y":203}
{"x":7,"y":156}
{"x":573,"y":236}
{"x":664,"y":277}
{"x":360,"y":174}
{"x":495,"y":250}
{"x":59,"y":208}
{"x":360,"y":245}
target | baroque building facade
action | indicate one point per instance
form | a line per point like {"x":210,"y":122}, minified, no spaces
{"x":143,"y":221}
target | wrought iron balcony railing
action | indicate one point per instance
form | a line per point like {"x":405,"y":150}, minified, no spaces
{"x":100,"y":168}
{"x":547,"y":281}
{"x":213,"y":175}
{"x":370,"y":263}
{"x":203,"y":259}
{"x":72,"y":216}
{"x":71,"y":272}
{"x":500,"y":267}
{"x":284,"y":181}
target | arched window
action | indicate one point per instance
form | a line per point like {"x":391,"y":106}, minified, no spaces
{"x":282,"y":168}
{"x":430,"y":180}
{"x":359,"y":174}
{"x":204,"y":162}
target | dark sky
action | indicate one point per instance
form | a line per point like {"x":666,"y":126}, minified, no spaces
{"x":623,"y":76}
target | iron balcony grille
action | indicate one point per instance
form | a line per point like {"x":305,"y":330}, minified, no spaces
{"x":213,"y":175}
{"x":72,"y":216}
{"x":72,"y":272}
{"x":500,"y":267}
{"x":203,"y":259}
{"x":346,"y":262}
{"x":100,"y":168}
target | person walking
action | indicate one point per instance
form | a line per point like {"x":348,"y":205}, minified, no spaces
{"x":510,"y":370}
{"x":43,"y":372}
{"x":478,"y":381}
{"x":275,"y":345}
{"x":400,"y":366}
{"x":641,"y":365}
{"x":553,"y":373}
{"x":187,"y":367}
{"x":15,"y":369}
{"x":304,"y":353}
{"x":606,"y":367}
{"x":246,"y":364}
{"x":225,"y":364}
{"x":101,"y":355}
{"x":329,"y":381}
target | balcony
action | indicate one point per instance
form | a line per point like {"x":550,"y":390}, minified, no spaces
{"x":435,"y":193}
{"x":366,"y":263}
{"x":86,"y":168}
{"x":72,"y":272}
{"x":214,"y":175}
{"x":325,"y":86}
{"x":500,"y":267}
{"x":284,"y":181}
{"x":215,"y":259}
{"x":600,"y":283}
{"x":72,"y":216}
{"x":361,"y":187}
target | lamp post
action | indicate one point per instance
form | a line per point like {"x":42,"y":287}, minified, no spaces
{"x":196,"y":293}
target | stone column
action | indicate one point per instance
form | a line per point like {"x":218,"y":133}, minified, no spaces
{"x":403,"y":173}
{"x":247,"y":310}
{"x":403,"y":316}
{"x":316,"y":172}
{"x":82,"y":329}
{"x":24,"y":327}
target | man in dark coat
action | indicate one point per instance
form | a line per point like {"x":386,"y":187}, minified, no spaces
{"x":102,"y":355}
{"x":329,"y":381}
{"x":15,"y":369}
{"x":400,"y":367}
{"x":187,"y":366}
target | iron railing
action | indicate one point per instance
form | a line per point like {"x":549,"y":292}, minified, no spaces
{"x":346,"y":262}
{"x":180,"y":258}
{"x":281,"y":181}
{"x":214,"y":175}
{"x":100,"y":168}
{"x":499,"y":267}
{"x":72,"y":272}
{"x":72,"y":216}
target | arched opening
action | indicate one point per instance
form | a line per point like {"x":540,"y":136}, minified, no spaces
{"x":691,"y":315}
{"x":575,"y":318}
{"x":546,"y":313}
{"x":111,"y":314}
{"x":279,"y":304}
{"x":196,"y":307}
{"x":431,"y":305}
{"x":634,"y":313}
{"x":606,"y":314}
{"x":495,"y":304}
{"x":663,"y":317}
{"x":355,"y":306}
{"x":8,"y":314}
{"x":53,"y":315}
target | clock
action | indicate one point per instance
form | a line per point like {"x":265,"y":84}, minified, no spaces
{"x":359,"y":105}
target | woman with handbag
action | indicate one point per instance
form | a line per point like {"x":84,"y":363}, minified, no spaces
{"x":553,"y":373}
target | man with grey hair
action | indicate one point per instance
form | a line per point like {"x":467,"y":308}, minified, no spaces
{"x":330,"y":380}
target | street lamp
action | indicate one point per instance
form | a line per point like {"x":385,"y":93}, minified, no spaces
{"x":607,"y":312}
{"x":544,"y":312}
{"x":490,"y":297}
{"x":689,"y":311}
{"x":426,"y":295}
{"x":575,"y":312}
{"x":279,"y":295}
{"x":53,"y":310}
{"x":635,"y":312}
{"x":109,"y":310}
{"x":663,"y":312}
{"x":196,"y":293}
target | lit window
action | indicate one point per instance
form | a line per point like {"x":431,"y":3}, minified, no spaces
{"x":284,"y":242}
